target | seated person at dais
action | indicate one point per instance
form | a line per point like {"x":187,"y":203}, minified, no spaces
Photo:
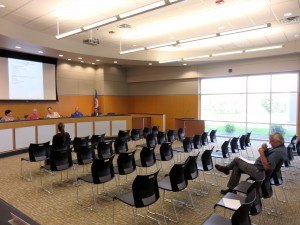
{"x":77,"y":113}
{"x":96,"y":112}
{"x":8,"y":116}
{"x":51,"y":114}
{"x":34,"y":115}
{"x":268,"y":159}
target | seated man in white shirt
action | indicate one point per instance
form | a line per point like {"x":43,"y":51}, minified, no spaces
{"x":51,"y":114}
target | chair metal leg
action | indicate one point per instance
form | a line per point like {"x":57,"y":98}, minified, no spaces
{"x":114,"y":205}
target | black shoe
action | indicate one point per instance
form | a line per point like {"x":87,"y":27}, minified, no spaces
{"x":225,"y":191}
{"x":222,"y":169}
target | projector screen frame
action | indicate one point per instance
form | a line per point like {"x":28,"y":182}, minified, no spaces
{"x":35,"y":58}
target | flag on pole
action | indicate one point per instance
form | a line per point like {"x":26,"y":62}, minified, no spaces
{"x":96,"y":102}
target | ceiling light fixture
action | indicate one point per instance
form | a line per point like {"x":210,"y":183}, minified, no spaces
{"x":198,"y":38}
{"x":100,"y":23}
{"x":69,"y":59}
{"x":150,"y":64}
{"x":131,"y":50}
{"x":264,"y":48}
{"x":246,"y":29}
{"x":60,"y":55}
{"x":161,"y":45}
{"x":228,"y":53}
{"x":69,"y":33}
{"x":82,"y":61}
{"x":97,"y":60}
{"x":41,"y":52}
{"x":2,"y":6}
{"x":115,"y":62}
{"x":93,"y":63}
{"x":18,"y":47}
{"x":79,"y":58}
{"x":169,"y":61}
{"x":197,"y":57}
{"x":287,"y":14}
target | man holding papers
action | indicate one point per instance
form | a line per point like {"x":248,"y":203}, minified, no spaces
{"x":268,"y":159}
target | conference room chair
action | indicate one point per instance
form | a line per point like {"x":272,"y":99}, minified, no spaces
{"x":213,"y":137}
{"x":60,"y":160}
{"x":248,"y":142}
{"x":242,"y":145}
{"x":155,"y":130}
{"x":171,"y":136}
{"x":146,"y":131}
{"x":124,"y":134}
{"x":144,"y":193}
{"x":85,"y":156}
{"x":239,"y":217}
{"x":205,"y":165}
{"x":234,"y":146}
{"x":197,"y":143}
{"x":204,"y":139}
{"x":120,"y":145}
{"x":36,"y":153}
{"x":95,"y":139}
{"x":80,"y":141}
{"x":147,"y":158}
{"x":104,"y":149}
{"x":135,"y":136}
{"x":125,"y":165}
{"x":180,"y":134}
{"x":102,"y":171}
{"x":185,"y":150}
{"x":161,"y":137}
{"x":165,"y":154}
{"x":173,"y":182}
{"x":223,"y":153}
{"x":151,"y":140}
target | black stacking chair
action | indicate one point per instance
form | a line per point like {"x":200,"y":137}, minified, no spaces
{"x":187,"y":147}
{"x":175,"y":181}
{"x":37,"y":153}
{"x":171,"y":135}
{"x":135,"y":134}
{"x":80,"y":141}
{"x":144,"y":193}
{"x":124,"y":134}
{"x":213,"y":136}
{"x":206,"y":164}
{"x":181,"y":134}
{"x":59,"y":161}
{"x":242,"y":141}
{"x":95,"y":139}
{"x":146,"y":131}
{"x":191,"y":170}
{"x":239,"y":217}
{"x":161,"y":137}
{"x":277,"y":180}
{"x":125,"y":164}
{"x":248,"y":142}
{"x":223,"y":154}
{"x":155,"y":130}
{"x":102,"y":171}
{"x":105,"y":149}
{"x":151,"y":140}
{"x":120,"y":145}
{"x":147,"y":158}
{"x":85,"y":156}
{"x":165,"y":153}
{"x":234,"y":147}
{"x":204,"y":139}
{"x":197,"y":141}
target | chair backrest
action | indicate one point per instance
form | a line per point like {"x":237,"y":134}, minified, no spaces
{"x":204,"y":138}
{"x":197,"y":141}
{"x":135,"y":134}
{"x":213,"y":136}
{"x":191,"y":170}
{"x":177,"y":177}
{"x":95,"y":139}
{"x":166,"y":151}
{"x":104,"y":149}
{"x":224,"y":149}
{"x":146,"y":131}
{"x":234,"y":145}
{"x":102,"y":170}
{"x":147,"y":157}
{"x":256,"y":207}
{"x":161,"y":137}
{"x":171,"y":135}
{"x":298,"y":147}
{"x":181,"y":134}
{"x":243,"y":142}
{"x":294,"y":139}
{"x":187,"y":144}
{"x":80,"y":141}
{"x":120,"y":145}
{"x":126,"y":163}
{"x":151,"y":140}
{"x":241,"y":215}
{"x":38,"y":152}
{"x":155,"y":130}
{"x":124,"y":134}
{"x":247,"y":140}
{"x":84,"y":155}
{"x":145,"y":190}
{"x":60,"y":159}
{"x":206,"y":160}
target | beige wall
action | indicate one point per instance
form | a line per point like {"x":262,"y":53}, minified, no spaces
{"x":115,"y":80}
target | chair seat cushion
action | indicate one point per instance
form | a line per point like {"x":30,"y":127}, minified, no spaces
{"x":127,"y":198}
{"x":87,"y":178}
{"x":217,"y":154}
{"x":165,"y":183}
{"x":231,"y":201}
{"x":216,"y":219}
{"x":243,"y":187}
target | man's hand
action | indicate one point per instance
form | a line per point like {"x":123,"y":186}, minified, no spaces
{"x":264,"y":160}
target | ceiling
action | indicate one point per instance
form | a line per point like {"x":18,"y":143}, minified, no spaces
{"x":33,"y":24}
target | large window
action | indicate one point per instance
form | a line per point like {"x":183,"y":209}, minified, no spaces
{"x":260,"y":104}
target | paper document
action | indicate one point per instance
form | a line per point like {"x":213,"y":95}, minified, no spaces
{"x":231,"y":203}
{"x":246,"y":160}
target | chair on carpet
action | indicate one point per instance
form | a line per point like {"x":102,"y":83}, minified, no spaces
{"x":104,"y":149}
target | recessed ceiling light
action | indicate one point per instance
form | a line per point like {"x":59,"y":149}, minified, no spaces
{"x":296,"y":35}
{"x":184,"y":64}
{"x":60,"y":55}
{"x":133,"y":45}
{"x":115,"y":62}
{"x":97,"y":60}
{"x":79,"y":58}
{"x":2,"y":6}
{"x":18,"y":47}
{"x":41,"y":52}
{"x":221,"y":28}
{"x":82,"y":61}
{"x":287,"y":14}
{"x":93,"y":63}
{"x":69,"y":59}
{"x":150,"y":64}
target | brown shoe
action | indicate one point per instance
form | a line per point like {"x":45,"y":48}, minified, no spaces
{"x":222,"y":169}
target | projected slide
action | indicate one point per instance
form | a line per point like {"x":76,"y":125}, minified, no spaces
{"x":25,"y":79}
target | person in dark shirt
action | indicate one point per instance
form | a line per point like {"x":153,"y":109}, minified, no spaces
{"x":96,"y":112}
{"x":267,"y":161}
{"x":77,"y":113}
{"x":61,"y":139}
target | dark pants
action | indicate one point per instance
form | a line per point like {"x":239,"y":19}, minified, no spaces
{"x":239,"y":166}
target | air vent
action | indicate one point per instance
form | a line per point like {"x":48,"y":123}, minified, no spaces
{"x":124,"y":26}
{"x":92,"y":41}
{"x":292,"y":19}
